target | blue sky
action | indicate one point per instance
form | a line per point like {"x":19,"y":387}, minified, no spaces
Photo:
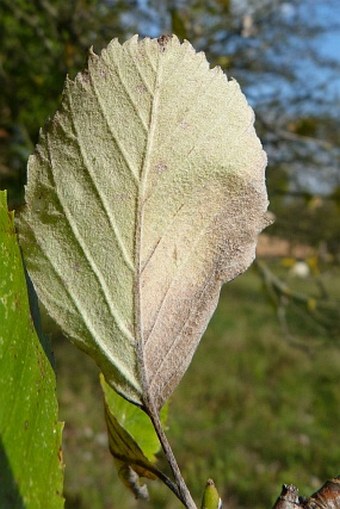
{"x":324,"y":12}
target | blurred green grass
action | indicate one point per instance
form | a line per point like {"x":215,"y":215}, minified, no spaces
{"x":253,"y":411}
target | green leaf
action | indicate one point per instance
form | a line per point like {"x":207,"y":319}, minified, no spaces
{"x":132,"y":439}
{"x":134,"y":421}
{"x":31,"y":469}
{"x":145,"y":194}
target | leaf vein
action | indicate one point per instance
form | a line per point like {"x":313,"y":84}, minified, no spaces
{"x":139,"y":329}
{"x":133,"y":171}
{"x":174,"y":342}
{"x":153,"y":251}
{"x":127,"y":92}
{"x":198,"y":98}
{"x":79,"y":240}
{"x":100,"y":195}
{"x":179,"y":270}
{"x":135,"y":61}
{"x":86,"y":320}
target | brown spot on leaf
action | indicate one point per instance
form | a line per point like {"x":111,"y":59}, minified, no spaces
{"x":141,"y":89}
{"x":60,"y":456}
{"x":161,"y":167}
{"x":163,"y":41}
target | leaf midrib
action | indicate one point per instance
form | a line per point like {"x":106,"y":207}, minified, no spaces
{"x":138,"y":317}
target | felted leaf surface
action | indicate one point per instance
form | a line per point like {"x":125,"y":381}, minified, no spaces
{"x":146,"y":193}
{"x":31,"y":470}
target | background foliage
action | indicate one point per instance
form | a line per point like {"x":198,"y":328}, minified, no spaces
{"x":255,"y":409}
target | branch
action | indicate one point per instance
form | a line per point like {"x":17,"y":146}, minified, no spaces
{"x":288,"y":135}
{"x":184,"y":494}
{"x":322,"y":310}
{"x":150,"y":468}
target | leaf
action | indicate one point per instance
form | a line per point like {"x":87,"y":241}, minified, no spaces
{"x":132,"y":439}
{"x":30,"y":436}
{"x":145,"y":194}
{"x":134,"y":421}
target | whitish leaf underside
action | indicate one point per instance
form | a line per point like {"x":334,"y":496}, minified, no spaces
{"x":146,"y":192}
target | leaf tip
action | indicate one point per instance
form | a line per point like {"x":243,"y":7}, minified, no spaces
{"x":132,"y":42}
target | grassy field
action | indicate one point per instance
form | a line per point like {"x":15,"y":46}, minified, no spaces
{"x":254,"y":410}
